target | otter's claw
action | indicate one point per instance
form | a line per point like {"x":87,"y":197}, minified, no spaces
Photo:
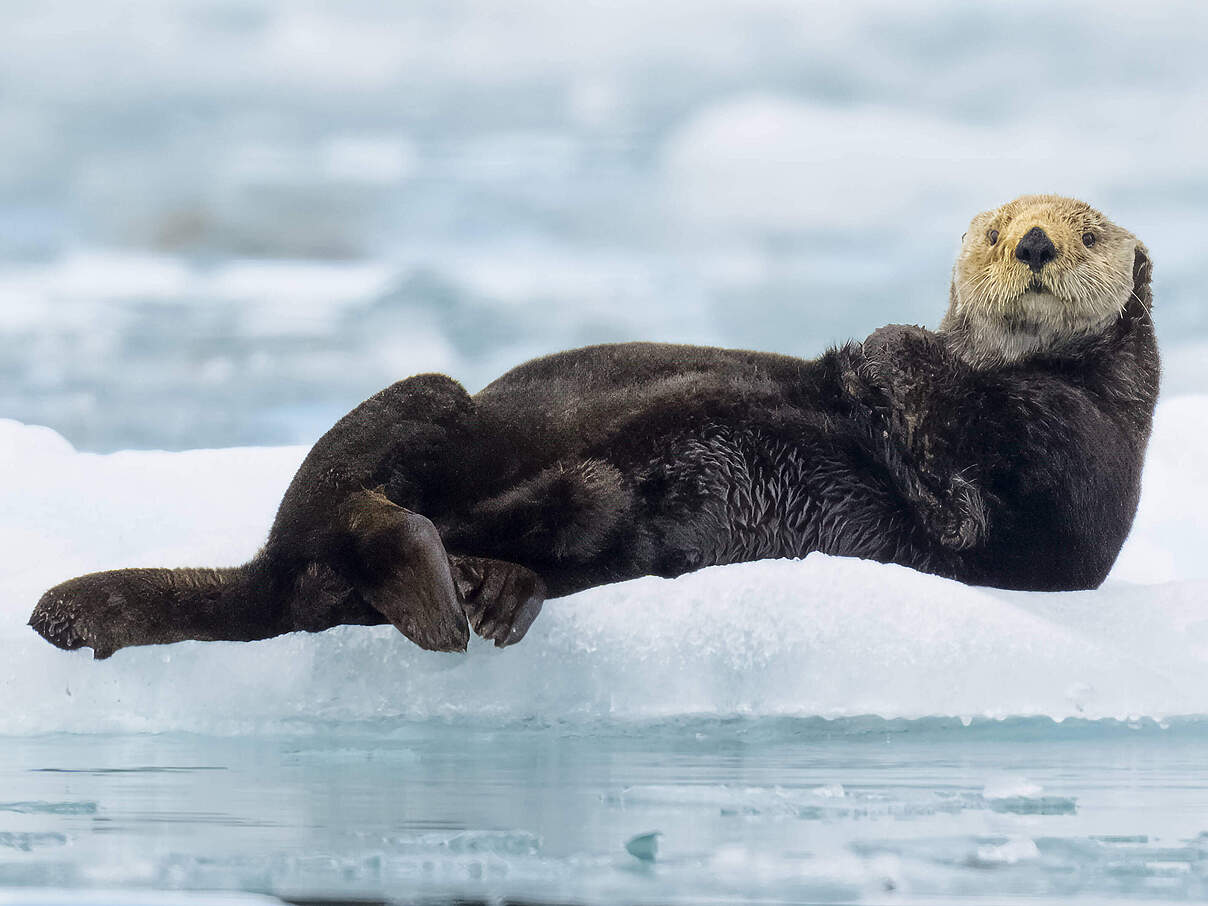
{"x":76,"y":614}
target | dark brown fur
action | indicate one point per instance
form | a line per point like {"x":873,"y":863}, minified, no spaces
{"x":611,"y":462}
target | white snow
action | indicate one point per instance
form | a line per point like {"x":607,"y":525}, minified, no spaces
{"x":823,"y":636}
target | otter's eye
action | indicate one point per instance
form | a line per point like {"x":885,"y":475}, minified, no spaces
{"x":1088,"y":239}
{"x":992,"y":236}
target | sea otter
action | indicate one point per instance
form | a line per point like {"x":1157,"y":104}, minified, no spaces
{"x":1003,"y":449}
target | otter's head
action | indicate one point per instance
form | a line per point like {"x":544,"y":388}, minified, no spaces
{"x":1038,"y":272}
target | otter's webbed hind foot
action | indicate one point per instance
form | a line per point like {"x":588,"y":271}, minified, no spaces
{"x":501,"y":599}
{"x":403,"y":572}
{"x":121,"y":608}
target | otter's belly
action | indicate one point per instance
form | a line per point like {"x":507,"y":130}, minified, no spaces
{"x":733,"y":494}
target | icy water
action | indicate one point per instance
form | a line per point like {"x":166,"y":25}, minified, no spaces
{"x":766,"y":811}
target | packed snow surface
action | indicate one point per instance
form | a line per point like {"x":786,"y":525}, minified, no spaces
{"x":823,"y":636}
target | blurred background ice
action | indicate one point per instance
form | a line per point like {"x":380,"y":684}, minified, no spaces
{"x":227,"y":222}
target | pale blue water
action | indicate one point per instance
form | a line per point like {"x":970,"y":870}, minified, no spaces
{"x":766,"y":811}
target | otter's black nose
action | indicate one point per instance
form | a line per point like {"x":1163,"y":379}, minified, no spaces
{"x":1035,"y":249}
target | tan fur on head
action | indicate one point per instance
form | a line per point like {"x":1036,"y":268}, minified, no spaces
{"x":1001,"y":309}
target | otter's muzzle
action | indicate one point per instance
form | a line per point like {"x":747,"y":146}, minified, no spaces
{"x":1035,"y":249}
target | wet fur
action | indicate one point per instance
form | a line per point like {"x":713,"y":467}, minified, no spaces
{"x":1005,"y":449}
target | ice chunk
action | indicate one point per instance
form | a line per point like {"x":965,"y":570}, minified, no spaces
{"x":131,"y":897}
{"x":1009,"y":852}
{"x":1018,"y":796}
{"x":644,"y":846}
{"x":825,"y":636}
{"x":1008,"y":787}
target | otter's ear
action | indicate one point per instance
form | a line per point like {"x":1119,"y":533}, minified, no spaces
{"x":1142,"y":272}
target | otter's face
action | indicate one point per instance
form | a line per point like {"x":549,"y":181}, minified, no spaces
{"x":1037,"y":271}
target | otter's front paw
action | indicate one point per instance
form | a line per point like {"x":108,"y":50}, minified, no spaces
{"x":887,"y":352}
{"x":86,"y":612}
{"x":962,"y":521}
{"x":894,"y":336}
{"x":501,"y":599}
{"x":953,"y":514}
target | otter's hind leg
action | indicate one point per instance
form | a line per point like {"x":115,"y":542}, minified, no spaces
{"x":564,"y":515}
{"x":355,"y":503}
{"x":120,"y":608}
{"x":402,"y":569}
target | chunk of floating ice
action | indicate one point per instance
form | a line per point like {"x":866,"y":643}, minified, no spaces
{"x":49,"y":808}
{"x":991,"y":855}
{"x":131,"y":897}
{"x":27,"y":841}
{"x":1035,"y":805}
{"x":644,"y":846}
{"x":830,"y":791}
{"x":1007,"y":787}
{"x":826,"y":636}
{"x":1018,"y":796}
